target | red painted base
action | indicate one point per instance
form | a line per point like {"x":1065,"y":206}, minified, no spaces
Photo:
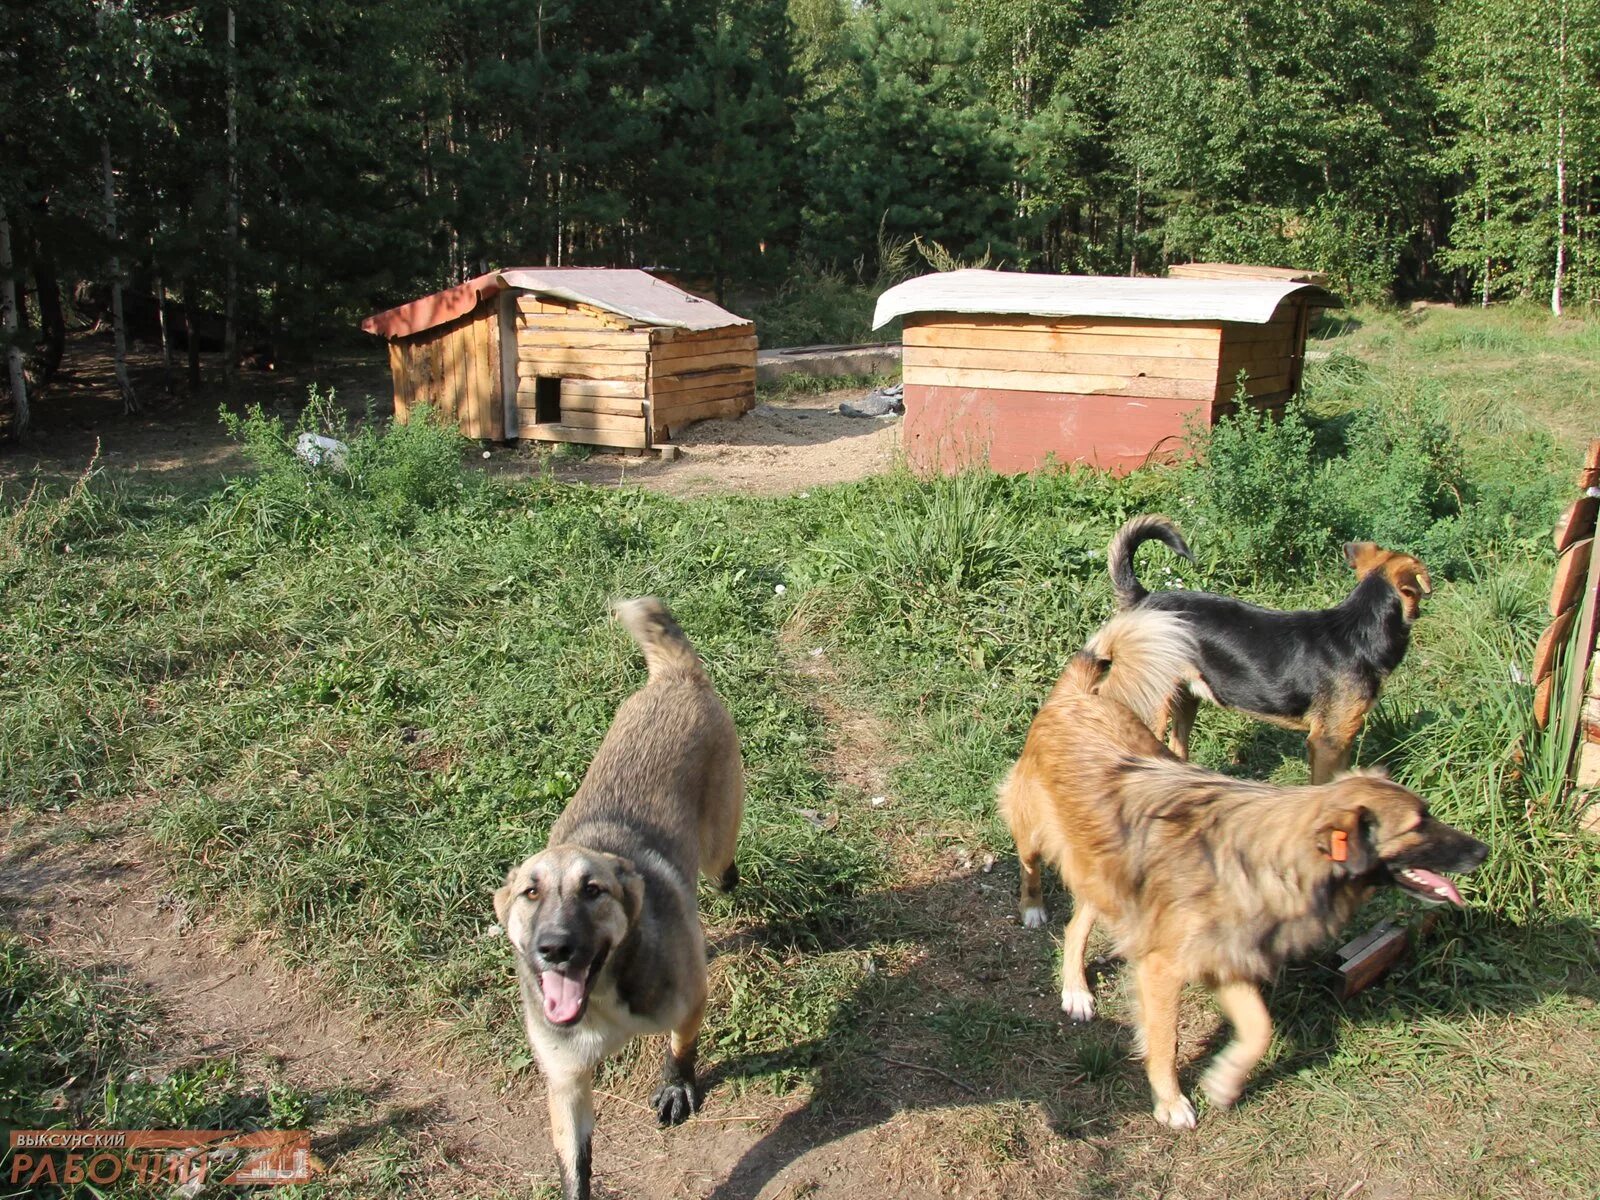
{"x":948,"y":428}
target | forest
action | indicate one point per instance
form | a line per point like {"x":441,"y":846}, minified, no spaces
{"x":277,"y":169}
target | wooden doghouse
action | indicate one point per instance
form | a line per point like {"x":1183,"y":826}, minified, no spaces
{"x":1022,"y":370}
{"x":569,"y":354}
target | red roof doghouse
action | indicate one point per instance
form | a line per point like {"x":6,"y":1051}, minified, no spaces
{"x":569,"y":354}
{"x":1022,"y":370}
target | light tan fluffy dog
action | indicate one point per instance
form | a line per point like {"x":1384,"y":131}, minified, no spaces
{"x":1200,"y":877}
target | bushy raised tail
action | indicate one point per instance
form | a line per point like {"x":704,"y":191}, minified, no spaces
{"x":1139,"y":659}
{"x":1119,"y":555}
{"x":667,"y":652}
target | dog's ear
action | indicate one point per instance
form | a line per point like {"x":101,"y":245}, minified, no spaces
{"x":502,"y":902}
{"x":1359,"y":554}
{"x":632,"y":888}
{"x":1343,"y":841}
{"x":1413,"y":579}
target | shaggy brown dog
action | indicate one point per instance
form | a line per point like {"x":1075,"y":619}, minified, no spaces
{"x":1199,"y":876}
{"x":1319,"y":670}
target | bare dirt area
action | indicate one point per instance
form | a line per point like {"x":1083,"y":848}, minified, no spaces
{"x":785,"y":445}
{"x":175,"y":438}
{"x":220,"y":994}
{"x":781,"y":447}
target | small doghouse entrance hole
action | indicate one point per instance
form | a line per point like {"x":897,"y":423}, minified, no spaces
{"x":547,"y":400}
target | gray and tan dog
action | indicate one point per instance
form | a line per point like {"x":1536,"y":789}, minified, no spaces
{"x":604,"y":920}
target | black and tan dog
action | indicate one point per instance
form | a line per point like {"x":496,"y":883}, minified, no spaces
{"x":604,"y":920}
{"x":1200,"y":877}
{"x":1316,"y":670}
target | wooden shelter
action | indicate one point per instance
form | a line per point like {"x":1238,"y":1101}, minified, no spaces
{"x":1022,"y":370}
{"x":569,"y":354}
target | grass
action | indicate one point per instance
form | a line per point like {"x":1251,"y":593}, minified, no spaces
{"x":348,"y":701}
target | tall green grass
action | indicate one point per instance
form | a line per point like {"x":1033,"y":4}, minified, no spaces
{"x":348,"y":700}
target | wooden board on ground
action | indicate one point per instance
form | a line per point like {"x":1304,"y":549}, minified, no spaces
{"x":1369,"y":957}
{"x":1551,"y":643}
{"x":1571,"y":572}
{"x":1577,"y":522}
{"x":554,"y":432}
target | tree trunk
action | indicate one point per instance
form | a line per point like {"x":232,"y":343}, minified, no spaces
{"x":8,"y":329}
{"x":230,"y":319}
{"x":52,"y":321}
{"x":161,"y":319}
{"x":191,"y":335}
{"x":119,"y":329}
{"x":1561,"y":164}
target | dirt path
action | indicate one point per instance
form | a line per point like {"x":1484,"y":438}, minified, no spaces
{"x":109,"y":910}
{"x":779,"y":448}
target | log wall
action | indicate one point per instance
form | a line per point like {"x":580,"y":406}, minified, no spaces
{"x":698,"y":375}
{"x":623,"y":383}
{"x":454,"y":370}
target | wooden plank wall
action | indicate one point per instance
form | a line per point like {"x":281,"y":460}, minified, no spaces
{"x":1272,"y":355}
{"x":603,"y":362}
{"x":698,"y":375}
{"x":453,"y":369}
{"x":1073,"y":356}
{"x":1019,"y":390}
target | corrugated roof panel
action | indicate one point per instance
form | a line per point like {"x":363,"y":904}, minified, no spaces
{"x":634,"y":294}
{"x":637,"y":295}
{"x":1249,"y":301}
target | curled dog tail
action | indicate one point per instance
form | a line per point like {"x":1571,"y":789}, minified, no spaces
{"x":1138,"y":659}
{"x":668,"y":653}
{"x":1119,"y":555}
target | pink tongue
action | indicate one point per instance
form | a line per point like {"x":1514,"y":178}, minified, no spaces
{"x":563,"y":997}
{"x":1429,"y":879}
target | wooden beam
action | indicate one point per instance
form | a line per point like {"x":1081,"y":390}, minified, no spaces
{"x":694,"y":381}
{"x":1039,"y":381}
{"x":1121,"y":327}
{"x":637,"y":437}
{"x":1057,"y":362}
{"x":579,"y":419}
{"x":1061,"y":341}
{"x":585,"y":339}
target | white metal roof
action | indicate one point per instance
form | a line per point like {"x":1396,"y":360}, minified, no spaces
{"x":628,"y":293}
{"x":1251,"y":301}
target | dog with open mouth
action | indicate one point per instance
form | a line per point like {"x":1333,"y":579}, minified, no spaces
{"x":604,"y":921}
{"x":1199,"y":876}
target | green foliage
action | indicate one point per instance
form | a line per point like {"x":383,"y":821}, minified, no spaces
{"x":388,"y":479}
{"x":816,"y":306}
{"x":1256,"y":501}
{"x":907,"y":144}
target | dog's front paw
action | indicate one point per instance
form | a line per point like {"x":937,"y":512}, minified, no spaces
{"x":1034,"y":918}
{"x":1176,"y":1114}
{"x":1078,"y":1005}
{"x":676,"y":1102}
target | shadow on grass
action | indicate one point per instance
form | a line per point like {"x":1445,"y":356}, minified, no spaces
{"x":961,"y":1011}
